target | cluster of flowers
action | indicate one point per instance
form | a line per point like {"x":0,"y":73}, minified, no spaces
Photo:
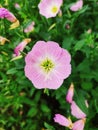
{"x":47,"y":64}
{"x":47,"y":8}
{"x":75,"y":111}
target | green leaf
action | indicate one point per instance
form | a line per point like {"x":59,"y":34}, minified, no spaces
{"x":32,"y":112}
{"x":12,"y":71}
{"x":48,"y":126}
{"x":79,"y":45}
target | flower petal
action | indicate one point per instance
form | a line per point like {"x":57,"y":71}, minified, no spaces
{"x":60,"y":119}
{"x":76,"y":111}
{"x":79,"y":125}
{"x":76,"y":6}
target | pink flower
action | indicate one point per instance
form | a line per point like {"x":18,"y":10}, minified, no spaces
{"x":79,"y":125}
{"x":30,"y":27}
{"x":76,"y":111}
{"x":70,"y":93}
{"x":60,"y":119}
{"x":49,"y":8}
{"x":77,"y":6}
{"x":17,"y":6}
{"x":47,"y":65}
{"x":4,"y":13}
{"x":21,"y":46}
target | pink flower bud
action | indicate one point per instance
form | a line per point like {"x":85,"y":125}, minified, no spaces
{"x":30,"y":27}
{"x":70,"y":93}
{"x":17,"y":6}
{"x":21,"y":46}
{"x":4,"y":13}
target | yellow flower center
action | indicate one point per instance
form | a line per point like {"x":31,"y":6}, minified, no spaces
{"x":47,"y":65}
{"x":54,"y":9}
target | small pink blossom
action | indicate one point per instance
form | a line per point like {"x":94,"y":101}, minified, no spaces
{"x":76,"y":111}
{"x":70,"y":93}
{"x":60,"y":119}
{"x":47,"y":65}
{"x":79,"y":125}
{"x":49,"y":8}
{"x":17,"y":6}
{"x":21,"y":46}
{"x":77,"y":6}
{"x":30,"y":27}
{"x":4,"y":13}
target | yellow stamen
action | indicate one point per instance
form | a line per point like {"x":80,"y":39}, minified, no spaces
{"x":47,"y":65}
{"x":54,"y":9}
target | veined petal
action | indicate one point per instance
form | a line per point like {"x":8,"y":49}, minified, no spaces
{"x":60,"y":119}
{"x":76,"y":111}
{"x":79,"y":125}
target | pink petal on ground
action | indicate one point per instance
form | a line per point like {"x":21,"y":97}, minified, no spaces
{"x":76,"y":111}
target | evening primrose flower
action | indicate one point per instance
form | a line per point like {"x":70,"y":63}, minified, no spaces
{"x":70,"y":93}
{"x":4,"y":13}
{"x":49,"y":8}
{"x":3,"y":40}
{"x":63,"y":121}
{"x":47,"y":65}
{"x":77,"y":6}
{"x":30,"y":27}
{"x":19,"y":48}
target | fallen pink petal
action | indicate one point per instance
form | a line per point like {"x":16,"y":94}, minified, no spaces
{"x":77,"y":6}
{"x":49,"y":8}
{"x":76,"y":111}
{"x":47,"y":65}
{"x":70,"y":93}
